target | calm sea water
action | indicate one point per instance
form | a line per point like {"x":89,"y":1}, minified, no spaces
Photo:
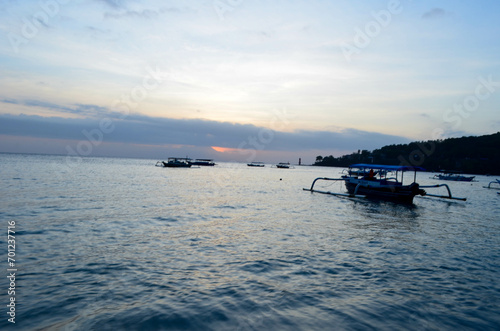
{"x":112,"y":244}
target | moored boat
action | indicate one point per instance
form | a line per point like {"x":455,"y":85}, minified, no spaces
{"x":175,"y":162}
{"x":256,"y":164}
{"x":283,"y":165}
{"x":203,"y":162}
{"x":382,"y":187}
{"x":454,"y":177}
{"x":363,"y":182}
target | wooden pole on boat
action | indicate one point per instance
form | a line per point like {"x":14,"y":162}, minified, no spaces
{"x":333,"y":193}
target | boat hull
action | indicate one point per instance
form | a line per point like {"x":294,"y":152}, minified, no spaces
{"x":176,"y":165}
{"x":375,"y":190}
{"x":456,"y":178}
{"x":205,"y":164}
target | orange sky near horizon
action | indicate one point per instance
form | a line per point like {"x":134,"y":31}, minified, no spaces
{"x":225,"y":149}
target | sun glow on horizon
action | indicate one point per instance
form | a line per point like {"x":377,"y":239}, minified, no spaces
{"x":225,"y":149}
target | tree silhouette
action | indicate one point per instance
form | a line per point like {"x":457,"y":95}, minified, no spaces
{"x":475,"y":155}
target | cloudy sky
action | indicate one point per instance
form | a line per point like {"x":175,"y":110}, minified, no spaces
{"x":241,"y":80}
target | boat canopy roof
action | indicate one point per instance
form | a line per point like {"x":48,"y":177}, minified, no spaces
{"x":385,"y":167}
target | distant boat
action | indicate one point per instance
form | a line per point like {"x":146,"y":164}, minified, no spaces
{"x":175,"y":162}
{"x":203,"y":162}
{"x":454,"y":177}
{"x":363,"y":183}
{"x":256,"y":164}
{"x":283,"y":165}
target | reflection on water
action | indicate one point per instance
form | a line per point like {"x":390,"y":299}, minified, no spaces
{"x":383,"y":215}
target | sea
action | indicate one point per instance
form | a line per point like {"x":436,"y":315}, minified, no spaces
{"x":119,"y":244}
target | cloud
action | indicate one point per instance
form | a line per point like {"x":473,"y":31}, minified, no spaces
{"x":140,"y":129}
{"x":47,"y":105}
{"x":87,"y":110}
{"x":434,"y":13}
{"x":115,"y":4}
{"x":122,"y":12}
{"x":11,"y":101}
{"x":145,"y":14}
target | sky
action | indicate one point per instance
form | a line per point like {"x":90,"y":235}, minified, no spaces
{"x":241,"y":80}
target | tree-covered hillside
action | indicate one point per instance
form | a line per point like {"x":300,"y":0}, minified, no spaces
{"x":473,"y":155}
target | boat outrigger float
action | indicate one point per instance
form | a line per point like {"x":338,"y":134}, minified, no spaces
{"x":364,"y":183}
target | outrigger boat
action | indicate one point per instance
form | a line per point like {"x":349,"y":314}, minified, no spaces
{"x":255,"y":164}
{"x":497,"y":182}
{"x":283,"y":165}
{"x":363,"y":183}
{"x":175,"y":162}
{"x":454,"y":177}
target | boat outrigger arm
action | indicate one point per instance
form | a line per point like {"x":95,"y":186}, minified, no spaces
{"x":362,"y":183}
{"x":494,"y":182}
{"x":449,"y":196}
{"x":354,"y":195}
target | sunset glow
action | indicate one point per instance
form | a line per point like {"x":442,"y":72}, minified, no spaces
{"x":225,"y":149}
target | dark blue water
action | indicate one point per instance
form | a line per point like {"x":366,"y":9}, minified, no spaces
{"x":112,"y":244}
